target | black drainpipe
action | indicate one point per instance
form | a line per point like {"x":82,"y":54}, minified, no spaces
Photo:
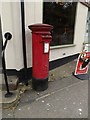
{"x":24,"y":74}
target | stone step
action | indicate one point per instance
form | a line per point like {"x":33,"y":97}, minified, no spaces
{"x":12,"y":82}
{"x":8,"y":102}
{"x":0,"y":69}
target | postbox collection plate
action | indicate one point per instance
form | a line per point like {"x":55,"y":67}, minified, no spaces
{"x":46,"y":47}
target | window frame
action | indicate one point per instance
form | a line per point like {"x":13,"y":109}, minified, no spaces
{"x":67,"y":45}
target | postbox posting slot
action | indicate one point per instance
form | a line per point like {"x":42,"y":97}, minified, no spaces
{"x":45,"y":38}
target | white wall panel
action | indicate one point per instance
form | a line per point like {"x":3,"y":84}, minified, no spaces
{"x":11,"y":22}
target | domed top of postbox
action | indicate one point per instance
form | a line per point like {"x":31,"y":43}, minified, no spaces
{"x":41,"y":27}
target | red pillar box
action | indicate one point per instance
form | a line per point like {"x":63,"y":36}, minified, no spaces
{"x":40,"y":47}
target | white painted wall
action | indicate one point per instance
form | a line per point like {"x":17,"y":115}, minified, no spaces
{"x":0,"y":8}
{"x":89,"y":27}
{"x":33,"y":14}
{"x":11,"y":21}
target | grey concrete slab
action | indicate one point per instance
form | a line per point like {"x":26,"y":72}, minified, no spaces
{"x":0,"y":109}
{"x":8,"y":113}
{"x":70,"y":102}
{"x":0,"y":81}
{"x":64,"y":70}
{"x":31,"y":95}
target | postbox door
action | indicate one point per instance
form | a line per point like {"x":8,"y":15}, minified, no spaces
{"x":41,"y":48}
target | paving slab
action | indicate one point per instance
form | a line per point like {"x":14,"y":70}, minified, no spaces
{"x":8,"y":113}
{"x":31,"y":95}
{"x":0,"y":81}
{"x":64,"y":70}
{"x":0,"y":109}
{"x":70,"y":102}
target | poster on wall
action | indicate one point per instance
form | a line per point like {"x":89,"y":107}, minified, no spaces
{"x":82,"y":63}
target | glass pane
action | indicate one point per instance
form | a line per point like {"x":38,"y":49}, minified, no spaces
{"x":62,"y":17}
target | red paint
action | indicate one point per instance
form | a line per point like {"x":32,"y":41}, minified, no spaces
{"x":40,"y":36}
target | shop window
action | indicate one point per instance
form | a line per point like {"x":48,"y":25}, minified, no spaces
{"x":62,"y":16}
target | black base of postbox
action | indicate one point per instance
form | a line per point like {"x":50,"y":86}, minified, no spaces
{"x":39,"y":84}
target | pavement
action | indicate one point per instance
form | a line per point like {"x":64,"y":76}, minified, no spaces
{"x":66,"y":97}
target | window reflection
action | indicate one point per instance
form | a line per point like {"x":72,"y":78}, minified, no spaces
{"x":62,"y":16}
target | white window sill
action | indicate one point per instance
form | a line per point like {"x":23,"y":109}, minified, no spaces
{"x":62,"y":46}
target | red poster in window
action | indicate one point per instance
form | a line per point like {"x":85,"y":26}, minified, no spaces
{"x":82,"y":63}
